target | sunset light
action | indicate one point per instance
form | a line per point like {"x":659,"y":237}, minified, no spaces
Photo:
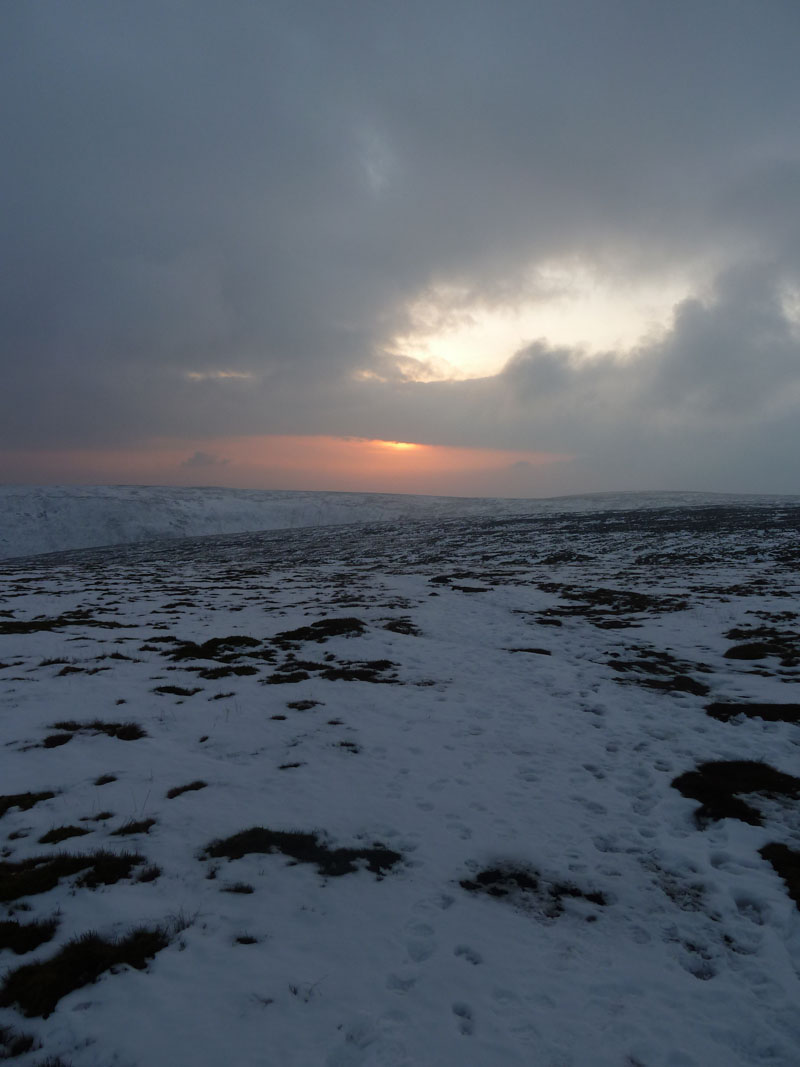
{"x":455,"y":336}
{"x":301,"y":462}
{"x":398,"y":446}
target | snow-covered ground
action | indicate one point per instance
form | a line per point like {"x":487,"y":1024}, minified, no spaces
{"x":565,"y":858}
{"x":36,"y":519}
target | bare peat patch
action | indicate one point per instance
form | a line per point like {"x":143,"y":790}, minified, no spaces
{"x":718,"y":785}
{"x":36,"y":988}
{"x":527,"y":889}
{"x":767,"y":712}
{"x":304,"y":848}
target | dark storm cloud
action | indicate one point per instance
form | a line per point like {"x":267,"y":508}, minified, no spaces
{"x":262,"y":188}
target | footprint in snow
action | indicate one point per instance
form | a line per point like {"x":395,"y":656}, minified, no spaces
{"x":469,"y":954}
{"x":466,"y":1021}
{"x":421,"y":944}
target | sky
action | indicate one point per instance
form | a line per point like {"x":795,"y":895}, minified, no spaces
{"x":480,"y":248}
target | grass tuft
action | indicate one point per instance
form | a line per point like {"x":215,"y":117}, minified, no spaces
{"x":322,"y":630}
{"x":123,"y":731}
{"x":149,"y":873}
{"x":14,"y":1043}
{"x":786,"y":864}
{"x":40,"y":874}
{"x":176,"y":690}
{"x":25,"y":937}
{"x":36,"y":988}
{"x":142,"y":826}
{"x":23,"y":801}
{"x":61,"y":833}
{"x":528,"y":888}
{"x":178,"y":789}
{"x":303,"y":848}
{"x":57,"y":740}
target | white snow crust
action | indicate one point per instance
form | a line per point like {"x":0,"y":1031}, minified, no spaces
{"x":39,"y":519}
{"x":506,"y":704}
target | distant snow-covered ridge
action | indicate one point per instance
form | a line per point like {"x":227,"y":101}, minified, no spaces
{"x":39,"y":519}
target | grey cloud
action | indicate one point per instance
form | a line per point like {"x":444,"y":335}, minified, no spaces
{"x":204,"y":459}
{"x":263,"y":188}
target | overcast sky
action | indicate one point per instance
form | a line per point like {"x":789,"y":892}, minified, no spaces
{"x":563,"y":233}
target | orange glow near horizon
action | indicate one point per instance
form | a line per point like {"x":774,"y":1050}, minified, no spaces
{"x":295,"y":462}
{"x":400,"y":446}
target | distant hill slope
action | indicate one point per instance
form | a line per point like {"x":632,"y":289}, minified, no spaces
{"x":38,"y":519}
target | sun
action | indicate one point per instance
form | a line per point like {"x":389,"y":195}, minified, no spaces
{"x":399,"y":446}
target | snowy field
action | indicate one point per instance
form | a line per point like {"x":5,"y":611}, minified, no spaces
{"x":55,"y":518}
{"x":468,"y":791}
